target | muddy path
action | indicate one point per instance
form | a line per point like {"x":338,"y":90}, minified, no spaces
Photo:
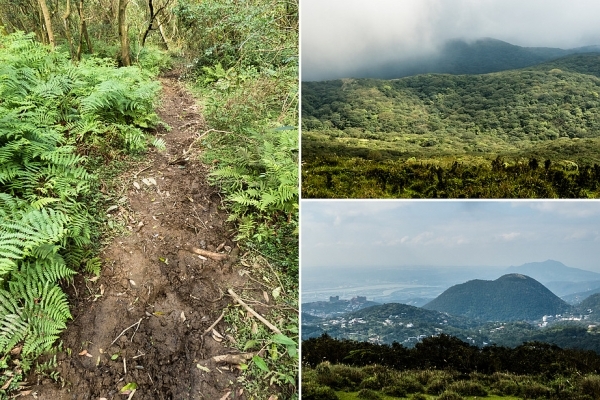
{"x":145,"y":319}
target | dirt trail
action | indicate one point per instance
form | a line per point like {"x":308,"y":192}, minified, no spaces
{"x":149,"y":277}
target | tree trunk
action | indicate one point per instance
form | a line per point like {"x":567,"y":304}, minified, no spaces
{"x":47,"y":22}
{"x":65,"y":18}
{"x":123,"y":35}
{"x":83,"y":33}
{"x":162,"y":33}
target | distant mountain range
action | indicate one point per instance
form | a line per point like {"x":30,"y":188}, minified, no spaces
{"x":554,"y":271}
{"x":472,"y":57}
{"x":509,"y":298}
{"x":571,"y":284}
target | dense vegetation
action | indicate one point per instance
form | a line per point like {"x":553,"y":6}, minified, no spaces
{"x":447,"y":367}
{"x":65,"y":107}
{"x":508,"y":298}
{"x":518,"y":133}
{"x":245,"y":71}
{"x":52,"y":113}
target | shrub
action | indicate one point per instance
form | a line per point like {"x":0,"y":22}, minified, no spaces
{"x":534,"y":390}
{"x":449,"y":395}
{"x":314,"y":391}
{"x":468,"y":388}
{"x":394,"y":391}
{"x":352,"y":375}
{"x":409,"y":384}
{"x":436,"y":386}
{"x":590,"y":385}
{"x":506,"y":387}
{"x":367,"y":394}
{"x":370,"y":382}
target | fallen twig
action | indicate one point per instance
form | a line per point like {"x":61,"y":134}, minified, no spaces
{"x":206,"y":253}
{"x":233,"y":358}
{"x":140,"y":171}
{"x":251,"y":311}
{"x":202,"y":135}
{"x":125,"y":330}
{"x":276,"y":276}
{"x":210,"y":328}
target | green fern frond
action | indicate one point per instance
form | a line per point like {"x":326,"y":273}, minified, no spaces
{"x":93,"y":266}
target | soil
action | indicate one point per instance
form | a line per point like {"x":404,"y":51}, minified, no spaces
{"x":144,"y":319}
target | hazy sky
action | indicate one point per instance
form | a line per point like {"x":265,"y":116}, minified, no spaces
{"x":449,"y":233}
{"x":341,"y":36}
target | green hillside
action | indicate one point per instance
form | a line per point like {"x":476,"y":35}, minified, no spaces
{"x":591,"y":303}
{"x":543,"y":116}
{"x":508,"y":298}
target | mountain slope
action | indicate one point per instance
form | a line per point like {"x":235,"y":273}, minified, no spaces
{"x":590,"y":303}
{"x":508,"y":298}
{"x":588,"y":64}
{"x":460,"y":113}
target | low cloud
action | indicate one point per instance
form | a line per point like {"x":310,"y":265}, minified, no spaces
{"x":343,"y":38}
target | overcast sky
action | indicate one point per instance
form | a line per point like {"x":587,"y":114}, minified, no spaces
{"x":341,"y":36}
{"x":336,"y":234}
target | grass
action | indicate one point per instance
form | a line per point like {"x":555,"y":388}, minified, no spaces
{"x":354,"y":396}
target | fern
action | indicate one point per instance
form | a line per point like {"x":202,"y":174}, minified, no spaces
{"x":52,"y":112}
{"x":263,"y":180}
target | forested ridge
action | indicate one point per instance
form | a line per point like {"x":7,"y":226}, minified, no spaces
{"x":444,"y":367}
{"x":548,"y":113}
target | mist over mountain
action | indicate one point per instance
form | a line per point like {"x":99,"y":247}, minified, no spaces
{"x":554,"y":271}
{"x":459,"y":56}
{"x":509,"y":298}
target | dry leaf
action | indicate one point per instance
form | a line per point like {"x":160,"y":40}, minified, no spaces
{"x":266,"y":296}
{"x":83,"y":353}
{"x":276,"y":292}
{"x":225,"y":396}
{"x":152,"y":181}
{"x":101,"y":289}
{"x":273,"y":397}
{"x":7,"y":384}
{"x":137,"y":185}
{"x":182,"y":316}
{"x":132,"y":282}
{"x":254,"y":328}
{"x":217,"y":336}
{"x":94,"y":279}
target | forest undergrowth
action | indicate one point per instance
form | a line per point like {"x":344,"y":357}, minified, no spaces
{"x":54,"y":117}
{"x":246,"y":77}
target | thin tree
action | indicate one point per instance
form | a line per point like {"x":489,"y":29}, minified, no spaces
{"x":123,"y":35}
{"x":47,"y":22}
